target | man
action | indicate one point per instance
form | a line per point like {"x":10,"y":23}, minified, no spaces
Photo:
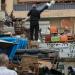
{"x":34,"y":14}
{"x":71,"y":71}
{"x":3,"y":66}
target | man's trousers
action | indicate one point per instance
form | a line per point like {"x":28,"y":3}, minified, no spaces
{"x":34,"y":29}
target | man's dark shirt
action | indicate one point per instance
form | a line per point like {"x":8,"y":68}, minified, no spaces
{"x":35,"y":14}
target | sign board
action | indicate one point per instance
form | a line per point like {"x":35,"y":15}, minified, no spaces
{"x":66,"y":50}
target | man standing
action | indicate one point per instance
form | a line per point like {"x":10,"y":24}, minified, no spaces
{"x":3,"y":66}
{"x":34,"y":15}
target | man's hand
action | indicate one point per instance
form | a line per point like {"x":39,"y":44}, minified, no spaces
{"x":25,"y":19}
{"x":53,"y":2}
{"x":49,"y":4}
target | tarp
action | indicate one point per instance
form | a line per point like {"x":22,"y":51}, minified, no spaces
{"x":20,"y":43}
{"x":5,"y":44}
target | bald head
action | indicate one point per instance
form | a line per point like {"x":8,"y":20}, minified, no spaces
{"x":34,"y":5}
{"x":4,"y":60}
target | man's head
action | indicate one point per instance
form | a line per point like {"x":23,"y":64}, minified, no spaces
{"x":70,"y":69}
{"x":4,"y":60}
{"x":34,"y":6}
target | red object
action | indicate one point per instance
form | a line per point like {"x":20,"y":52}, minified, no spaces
{"x":47,"y":38}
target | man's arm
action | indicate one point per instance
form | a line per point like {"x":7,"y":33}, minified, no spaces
{"x":29,"y":13}
{"x":47,"y":5}
{"x":51,"y":3}
{"x":44,"y":8}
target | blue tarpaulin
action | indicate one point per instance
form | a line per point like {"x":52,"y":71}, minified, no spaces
{"x":19,"y":43}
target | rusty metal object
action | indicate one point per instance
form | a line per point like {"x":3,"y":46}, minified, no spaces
{"x":29,"y":65}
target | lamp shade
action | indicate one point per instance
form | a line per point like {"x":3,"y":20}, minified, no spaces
{"x":47,"y":38}
{"x":55,"y":39}
{"x":64,"y":38}
{"x":53,"y":29}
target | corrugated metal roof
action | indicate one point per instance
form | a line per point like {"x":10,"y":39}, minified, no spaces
{"x":42,"y":0}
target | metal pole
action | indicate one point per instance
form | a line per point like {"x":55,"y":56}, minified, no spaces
{"x":0,"y":5}
{"x":72,"y":26}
